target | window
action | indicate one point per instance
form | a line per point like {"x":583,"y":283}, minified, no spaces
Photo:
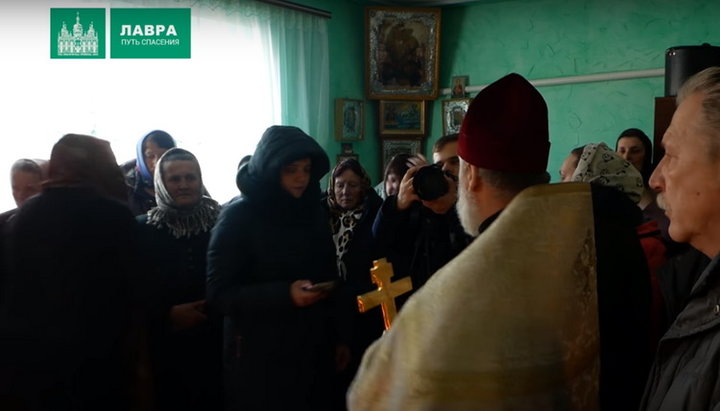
{"x":216,"y":104}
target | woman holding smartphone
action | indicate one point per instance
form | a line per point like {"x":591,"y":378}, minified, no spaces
{"x":267,"y":251}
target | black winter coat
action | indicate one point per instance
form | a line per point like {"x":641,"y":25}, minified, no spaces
{"x":65,"y":313}
{"x":362,"y":251}
{"x":417,"y":241}
{"x":186,"y":364}
{"x":623,"y":286}
{"x":278,"y":356}
{"x":364,"y":327}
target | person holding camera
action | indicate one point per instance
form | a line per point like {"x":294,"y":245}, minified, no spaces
{"x":418,"y":229}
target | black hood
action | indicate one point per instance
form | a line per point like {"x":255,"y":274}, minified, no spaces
{"x":280,"y":145}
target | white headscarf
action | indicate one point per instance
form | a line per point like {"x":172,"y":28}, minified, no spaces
{"x":599,"y":164}
{"x":181,"y":222}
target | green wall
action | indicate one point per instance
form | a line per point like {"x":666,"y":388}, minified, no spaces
{"x":557,"y":38}
{"x":538,"y":39}
{"x":346,"y":31}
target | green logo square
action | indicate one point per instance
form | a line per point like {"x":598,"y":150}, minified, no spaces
{"x":149,"y":33}
{"x":77,"y":33}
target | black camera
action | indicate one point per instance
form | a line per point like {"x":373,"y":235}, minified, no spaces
{"x":429,"y":182}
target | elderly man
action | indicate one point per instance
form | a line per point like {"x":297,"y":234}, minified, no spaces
{"x":511,"y":322}
{"x":26,"y":177}
{"x":685,"y":375}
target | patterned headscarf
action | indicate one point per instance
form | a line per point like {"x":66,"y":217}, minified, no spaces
{"x":599,"y":164}
{"x":181,"y":222}
{"x":343,"y":222}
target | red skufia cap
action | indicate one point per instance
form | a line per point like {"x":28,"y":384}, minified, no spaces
{"x":506,"y":128}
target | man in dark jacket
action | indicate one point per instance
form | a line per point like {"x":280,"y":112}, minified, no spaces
{"x":685,"y":374}
{"x":420,"y":236}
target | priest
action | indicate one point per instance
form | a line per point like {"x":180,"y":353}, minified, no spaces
{"x":515,"y":321}
{"x":511,"y":322}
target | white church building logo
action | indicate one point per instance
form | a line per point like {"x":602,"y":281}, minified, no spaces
{"x":79,"y":42}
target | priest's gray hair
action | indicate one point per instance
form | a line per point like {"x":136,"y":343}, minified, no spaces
{"x":706,"y":82}
{"x":512,"y":183}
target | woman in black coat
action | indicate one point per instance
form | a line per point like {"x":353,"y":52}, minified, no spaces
{"x":185,"y":340}
{"x":267,"y":250}
{"x":68,"y":293}
{"x":352,"y":204}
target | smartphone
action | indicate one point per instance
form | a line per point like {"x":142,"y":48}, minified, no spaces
{"x":324,"y":286}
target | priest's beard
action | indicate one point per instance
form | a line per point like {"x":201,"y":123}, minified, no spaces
{"x":468,"y":211}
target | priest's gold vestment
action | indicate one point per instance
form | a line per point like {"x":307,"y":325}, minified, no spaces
{"x":509,"y":324}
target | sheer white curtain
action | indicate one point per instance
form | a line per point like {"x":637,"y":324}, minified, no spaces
{"x":299,"y":44}
{"x":216,"y":104}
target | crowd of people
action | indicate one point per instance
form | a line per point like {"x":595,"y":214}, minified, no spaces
{"x":127,"y":287}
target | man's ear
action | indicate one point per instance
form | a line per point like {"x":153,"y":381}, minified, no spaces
{"x":474,"y":181}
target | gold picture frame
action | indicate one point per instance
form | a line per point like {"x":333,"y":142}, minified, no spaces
{"x":402,"y":118}
{"x":402,"y":52}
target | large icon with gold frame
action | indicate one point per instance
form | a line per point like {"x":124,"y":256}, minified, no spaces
{"x":402,"y":52}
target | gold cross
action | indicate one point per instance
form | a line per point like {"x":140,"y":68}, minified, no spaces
{"x":386,"y":292}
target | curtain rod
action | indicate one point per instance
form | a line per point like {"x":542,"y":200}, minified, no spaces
{"x":298,"y":7}
{"x":587,"y":78}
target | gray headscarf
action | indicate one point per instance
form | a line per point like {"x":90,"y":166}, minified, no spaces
{"x":181,"y":222}
{"x":599,"y":164}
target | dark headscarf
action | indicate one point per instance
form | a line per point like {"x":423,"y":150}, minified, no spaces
{"x":80,"y":160}
{"x":181,"y":222}
{"x":159,"y":137}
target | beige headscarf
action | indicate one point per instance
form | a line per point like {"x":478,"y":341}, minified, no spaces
{"x":601,"y":165}
{"x":181,"y":222}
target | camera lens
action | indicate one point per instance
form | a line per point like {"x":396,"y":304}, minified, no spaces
{"x":429,"y":183}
